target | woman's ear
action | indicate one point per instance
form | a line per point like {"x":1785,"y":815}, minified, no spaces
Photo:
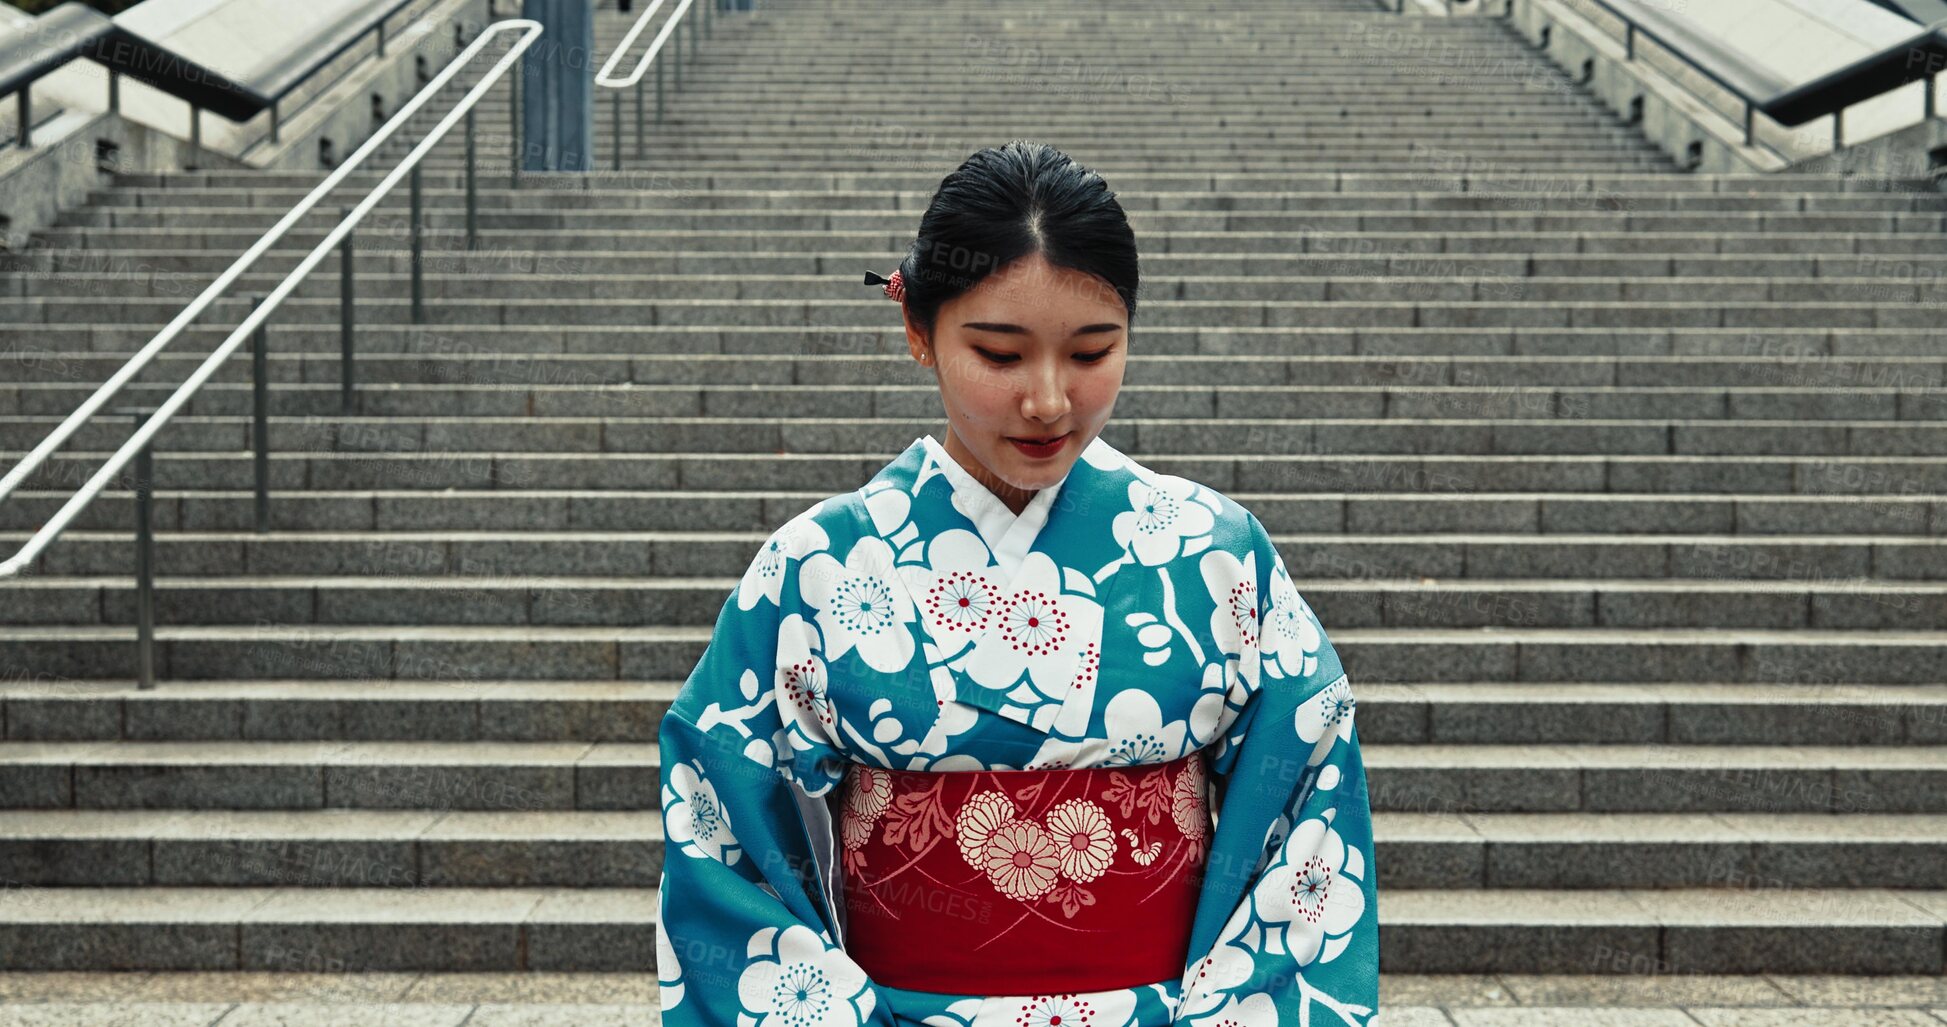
{"x":916,"y":341}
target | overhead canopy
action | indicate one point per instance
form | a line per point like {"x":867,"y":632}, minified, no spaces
{"x":264,"y":47}
{"x":1805,"y":58}
{"x":234,"y":57}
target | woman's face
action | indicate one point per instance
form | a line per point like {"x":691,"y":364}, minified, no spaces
{"x":1030,"y":352}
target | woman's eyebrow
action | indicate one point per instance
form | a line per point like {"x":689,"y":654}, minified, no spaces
{"x":1008,"y":329}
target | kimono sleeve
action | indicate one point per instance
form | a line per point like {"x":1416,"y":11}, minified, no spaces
{"x":743,"y":935}
{"x":1287,"y":926}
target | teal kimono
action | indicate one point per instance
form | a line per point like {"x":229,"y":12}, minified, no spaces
{"x":1127,"y":617}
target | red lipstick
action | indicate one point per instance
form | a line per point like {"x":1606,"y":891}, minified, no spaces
{"x":1041,"y":447}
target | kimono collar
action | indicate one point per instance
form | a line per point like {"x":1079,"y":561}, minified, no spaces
{"x":1022,"y":641}
{"x":1006,"y":533}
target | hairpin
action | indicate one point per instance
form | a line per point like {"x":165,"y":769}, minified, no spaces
{"x":895,"y":286}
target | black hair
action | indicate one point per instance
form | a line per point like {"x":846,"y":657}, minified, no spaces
{"x":1006,"y":202}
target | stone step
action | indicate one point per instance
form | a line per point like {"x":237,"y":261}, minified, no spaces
{"x":335,"y":848}
{"x":384,"y":265}
{"x":630,"y":652}
{"x":620,"y":599}
{"x":1690,"y":930}
{"x":881,"y":248}
{"x":893,"y":180}
{"x":117,"y":200}
{"x":1810,"y":355}
{"x":339,"y":929}
{"x":1753,"y":517}
{"x":1406,"y":713}
{"x":400,"y":849}
{"x":1464,"y":281}
{"x":1795,"y":383}
{"x":1451,"y":425}
{"x":822,"y":456}
{"x":245,"y":775}
{"x":575,"y":775}
{"x":448,"y":221}
{"x":849,"y":308}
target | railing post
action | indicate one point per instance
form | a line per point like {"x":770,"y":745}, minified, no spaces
{"x":345,"y":304}
{"x":472,"y":188}
{"x":1750,"y":113}
{"x":114,"y":91}
{"x":638,"y":119}
{"x":144,"y":560}
{"x":514,"y":124}
{"x":381,"y":37}
{"x":260,"y":416}
{"x":195,"y":134}
{"x":1838,"y":130}
{"x":659,"y":93}
{"x":276,"y":122}
{"x":418,"y":254}
{"x":1932,"y":105}
{"x":26,"y":133}
{"x":1629,"y":41}
{"x":676,"y":38}
{"x":616,"y":108}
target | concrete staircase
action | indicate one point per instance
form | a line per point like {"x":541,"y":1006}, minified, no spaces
{"x":1623,"y":493}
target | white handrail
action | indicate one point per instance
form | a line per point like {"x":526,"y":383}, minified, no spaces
{"x":530,"y":30}
{"x":655,"y":46}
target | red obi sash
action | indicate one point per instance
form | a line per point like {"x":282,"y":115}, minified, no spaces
{"x":1017,"y":882}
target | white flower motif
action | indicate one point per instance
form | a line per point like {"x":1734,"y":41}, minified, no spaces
{"x":1292,"y":636}
{"x":1232,"y":585}
{"x":1050,"y":635}
{"x":1254,"y":1010}
{"x":795,"y":539}
{"x":1084,"y":838}
{"x":1225,"y":967}
{"x":1136,"y":733}
{"x":1020,"y":860}
{"x":979,"y":817}
{"x":803,"y":687}
{"x":694,"y":819}
{"x":861,"y":605}
{"x":1112,"y":1008}
{"x":803,"y":982}
{"x":1330,"y":712}
{"x":958,"y":593}
{"x":1164,"y":520}
{"x":1313,"y":886}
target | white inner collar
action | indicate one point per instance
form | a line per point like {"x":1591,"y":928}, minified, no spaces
{"x":1007,"y":534}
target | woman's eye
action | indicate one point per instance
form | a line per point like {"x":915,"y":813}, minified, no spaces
{"x":998,"y":358}
{"x":1090,"y":358}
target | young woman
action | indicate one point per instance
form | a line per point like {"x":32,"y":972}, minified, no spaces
{"x":952,"y":754}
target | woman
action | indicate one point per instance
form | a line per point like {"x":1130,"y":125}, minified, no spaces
{"x":949,"y":758}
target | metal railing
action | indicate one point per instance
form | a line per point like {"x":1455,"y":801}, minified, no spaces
{"x":254,"y":328}
{"x":670,"y":27}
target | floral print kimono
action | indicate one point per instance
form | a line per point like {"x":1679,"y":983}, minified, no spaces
{"x":1124,"y":619}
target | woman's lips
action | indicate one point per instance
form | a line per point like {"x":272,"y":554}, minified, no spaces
{"x":1040,"y":449}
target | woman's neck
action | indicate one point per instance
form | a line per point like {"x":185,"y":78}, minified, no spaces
{"x":1015,"y":499}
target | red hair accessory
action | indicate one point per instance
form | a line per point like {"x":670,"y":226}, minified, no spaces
{"x":895,"y":286}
